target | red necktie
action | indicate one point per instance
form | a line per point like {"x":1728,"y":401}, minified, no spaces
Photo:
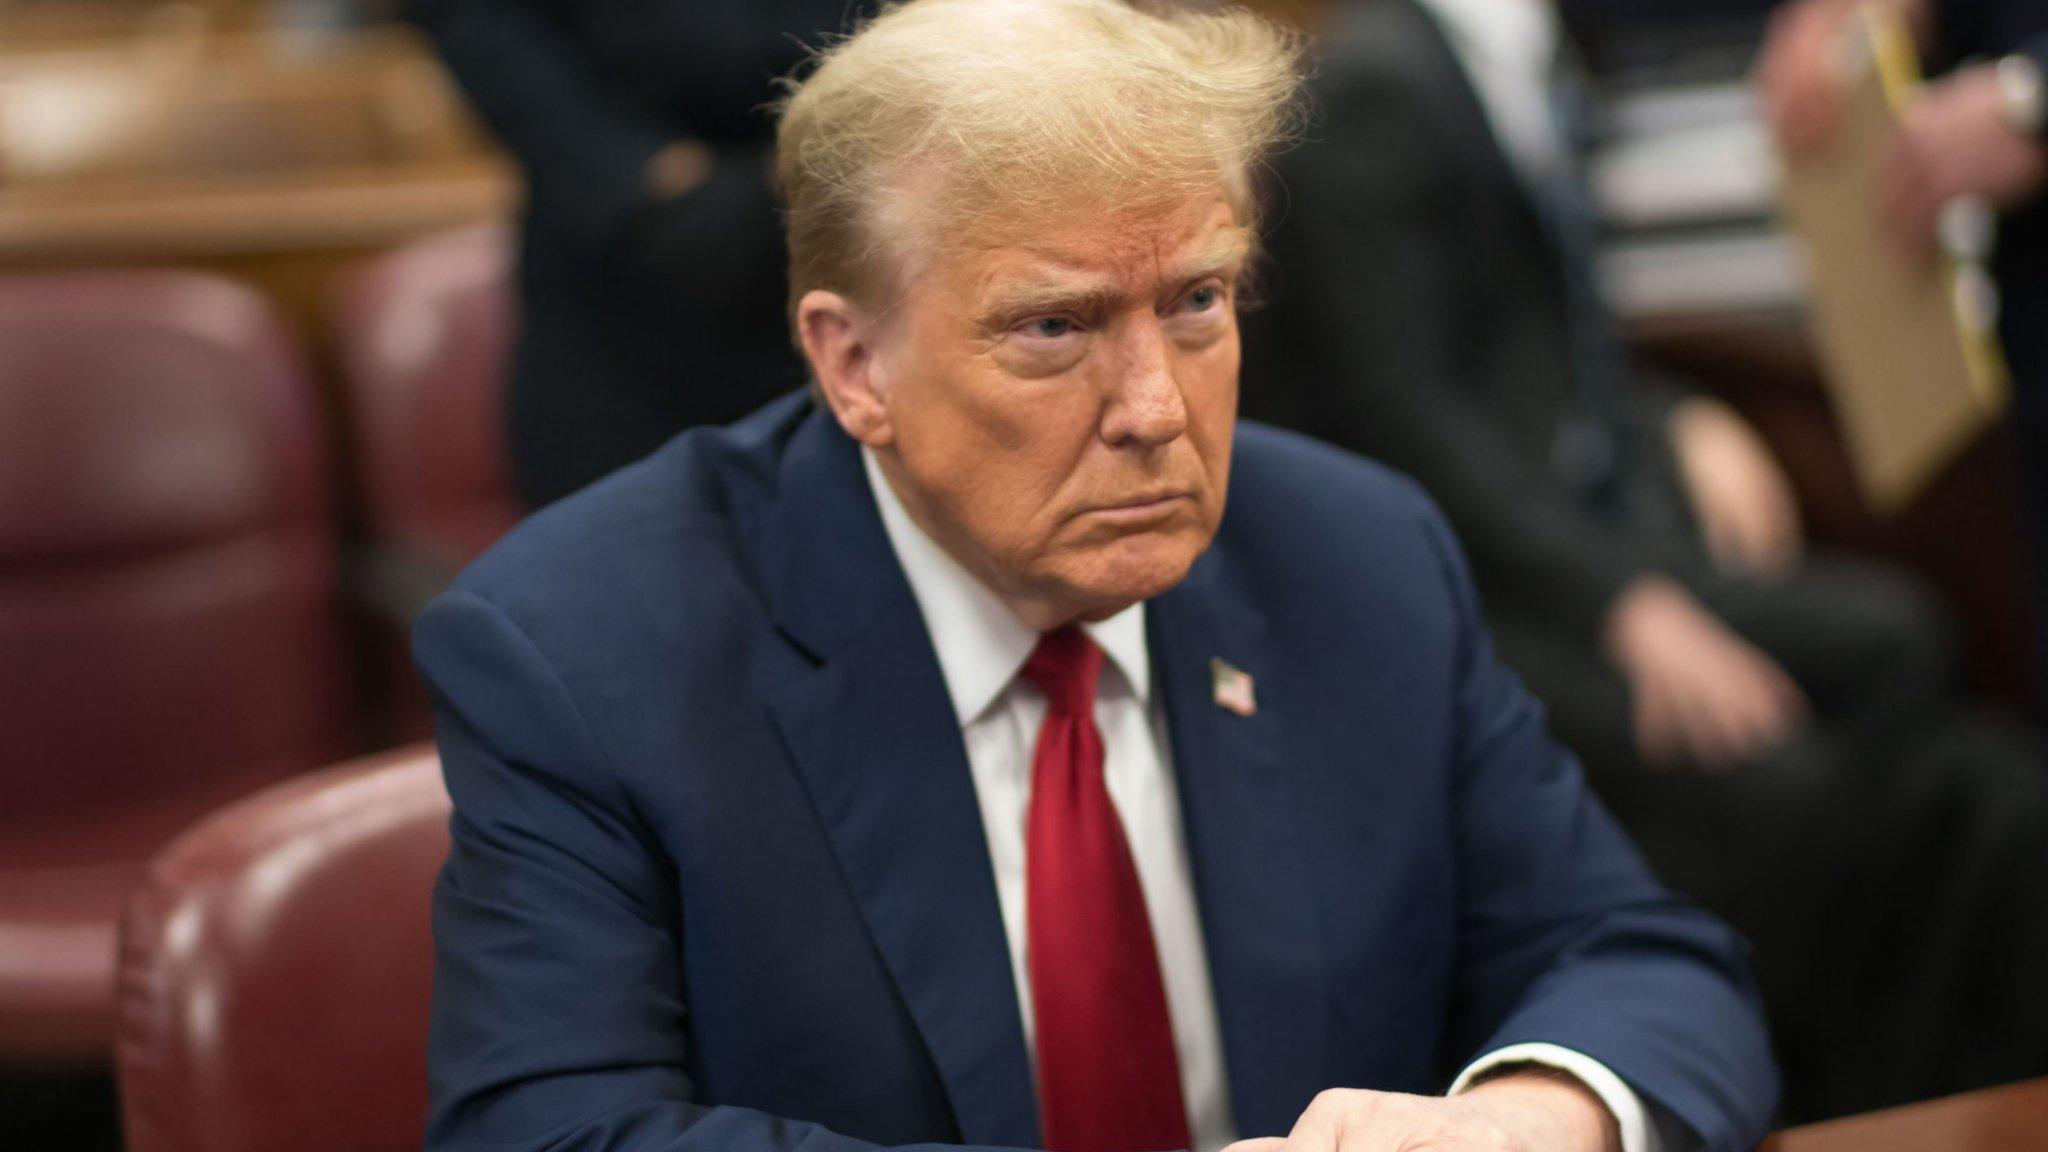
{"x":1108,"y":1079}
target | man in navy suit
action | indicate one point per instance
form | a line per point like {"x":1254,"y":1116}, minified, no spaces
{"x":931,"y":760}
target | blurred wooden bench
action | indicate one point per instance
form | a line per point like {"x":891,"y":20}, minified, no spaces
{"x":275,"y":156}
{"x":2009,"y":1119}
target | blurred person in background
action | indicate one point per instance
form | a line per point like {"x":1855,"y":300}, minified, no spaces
{"x":1776,"y":728}
{"x":651,"y":274}
{"x":1979,"y":129}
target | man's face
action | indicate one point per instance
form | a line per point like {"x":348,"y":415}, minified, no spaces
{"x":1059,"y":410}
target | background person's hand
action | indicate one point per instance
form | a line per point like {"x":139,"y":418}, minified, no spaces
{"x":1699,"y":691}
{"x":1743,"y":500}
{"x":1955,"y":141}
{"x":1797,"y":76}
{"x":1522,"y":1112}
{"x":677,"y":168}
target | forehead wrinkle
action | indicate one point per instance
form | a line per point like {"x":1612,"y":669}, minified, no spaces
{"x":1209,"y":248}
{"x":1056,"y":282}
{"x":1067,"y":271}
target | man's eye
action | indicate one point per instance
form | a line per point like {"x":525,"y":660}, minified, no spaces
{"x":1048,"y":327}
{"x":1202,"y":299}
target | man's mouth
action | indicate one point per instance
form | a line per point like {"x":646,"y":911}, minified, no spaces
{"x":1144,"y":506}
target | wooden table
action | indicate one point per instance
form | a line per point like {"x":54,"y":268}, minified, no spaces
{"x":2009,"y":1119}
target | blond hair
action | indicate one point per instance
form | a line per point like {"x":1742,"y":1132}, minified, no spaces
{"x":980,"y":117}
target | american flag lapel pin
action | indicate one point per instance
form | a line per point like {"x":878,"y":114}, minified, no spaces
{"x":1233,"y":687}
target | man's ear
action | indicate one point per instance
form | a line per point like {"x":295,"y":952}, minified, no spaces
{"x":838,"y":339}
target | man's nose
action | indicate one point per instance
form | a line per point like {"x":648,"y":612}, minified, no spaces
{"x":1146,"y":406}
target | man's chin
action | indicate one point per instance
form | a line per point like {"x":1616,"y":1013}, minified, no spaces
{"x":1130,"y":571}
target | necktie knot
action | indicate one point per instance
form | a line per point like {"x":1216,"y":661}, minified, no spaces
{"x":1065,"y":666}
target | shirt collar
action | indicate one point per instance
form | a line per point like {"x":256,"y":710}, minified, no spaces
{"x":980,"y":643}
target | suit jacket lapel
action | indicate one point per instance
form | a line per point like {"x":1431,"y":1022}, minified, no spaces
{"x":873,"y":734}
{"x":1266,"y":959}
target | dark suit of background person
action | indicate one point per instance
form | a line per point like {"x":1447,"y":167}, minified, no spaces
{"x":719,"y":881}
{"x":1420,"y":310}
{"x":1987,"y":28}
{"x":640,"y":314}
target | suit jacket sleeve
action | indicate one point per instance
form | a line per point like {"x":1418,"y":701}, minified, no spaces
{"x":559,"y":1019}
{"x":1565,"y":938}
{"x":585,"y":150}
{"x":1373,"y":271}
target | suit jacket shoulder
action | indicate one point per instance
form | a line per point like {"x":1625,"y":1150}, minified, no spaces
{"x":667,"y":526}
{"x":1311,"y":523}
{"x":669,"y":553}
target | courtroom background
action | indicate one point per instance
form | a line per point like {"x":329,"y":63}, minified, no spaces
{"x":259,"y":295}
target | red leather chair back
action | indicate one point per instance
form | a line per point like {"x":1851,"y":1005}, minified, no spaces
{"x":167,"y":595}
{"x":276,"y":968}
{"x":425,"y":335}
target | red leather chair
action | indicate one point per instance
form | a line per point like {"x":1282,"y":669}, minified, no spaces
{"x":168,"y":626}
{"x":423,"y":337}
{"x":275,"y":969}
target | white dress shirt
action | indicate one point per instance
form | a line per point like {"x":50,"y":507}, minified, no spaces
{"x":1508,"y":50}
{"x":981,"y":647}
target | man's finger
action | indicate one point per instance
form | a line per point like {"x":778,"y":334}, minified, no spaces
{"x":1317,"y":1128}
{"x":1775,"y":706}
{"x":1791,"y":698}
{"x":1800,"y":98}
{"x":1724,"y":544}
{"x":1774,"y":515}
{"x":1261,"y":1144}
{"x":1755,"y":535}
{"x":1692,"y":711}
{"x":1656,"y":734}
{"x":1782,"y":516}
{"x":1759,"y":715}
{"x":1743,"y":703}
{"x":1724,"y":723}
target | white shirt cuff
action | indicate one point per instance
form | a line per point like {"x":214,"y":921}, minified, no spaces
{"x":1629,"y":1114}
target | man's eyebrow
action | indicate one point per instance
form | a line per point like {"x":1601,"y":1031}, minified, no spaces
{"x":1229,"y":248}
{"x":1027,"y":298}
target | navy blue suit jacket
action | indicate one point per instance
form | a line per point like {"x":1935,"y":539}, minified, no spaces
{"x":719,"y":882}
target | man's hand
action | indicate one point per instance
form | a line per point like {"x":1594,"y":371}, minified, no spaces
{"x":1956,"y":141}
{"x":1699,"y":691}
{"x":1798,"y":73}
{"x":1520,"y":1112}
{"x":1743,"y":500}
